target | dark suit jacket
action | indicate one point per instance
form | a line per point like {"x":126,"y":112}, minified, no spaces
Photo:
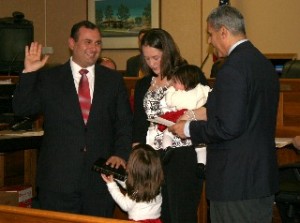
{"x":133,"y":65}
{"x":240,"y":131}
{"x":62,"y":165}
{"x":140,"y":123}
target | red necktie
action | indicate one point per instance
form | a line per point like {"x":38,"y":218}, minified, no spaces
{"x":84,"y":95}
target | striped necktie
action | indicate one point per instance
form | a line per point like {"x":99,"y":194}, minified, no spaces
{"x":84,"y":95}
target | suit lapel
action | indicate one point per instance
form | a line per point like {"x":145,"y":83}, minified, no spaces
{"x":99,"y":85}
{"x":69,"y":92}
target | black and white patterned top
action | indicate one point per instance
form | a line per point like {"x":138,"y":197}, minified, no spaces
{"x":155,"y":105}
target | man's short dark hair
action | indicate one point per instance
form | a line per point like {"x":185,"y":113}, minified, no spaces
{"x":87,"y":24}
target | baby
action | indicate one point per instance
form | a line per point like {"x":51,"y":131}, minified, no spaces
{"x":185,"y":95}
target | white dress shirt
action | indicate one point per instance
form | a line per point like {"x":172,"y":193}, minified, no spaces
{"x":77,"y":76}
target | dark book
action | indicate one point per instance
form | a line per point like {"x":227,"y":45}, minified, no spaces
{"x":101,"y":167}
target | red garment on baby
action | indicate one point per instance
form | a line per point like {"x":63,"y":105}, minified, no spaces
{"x":171,"y":116}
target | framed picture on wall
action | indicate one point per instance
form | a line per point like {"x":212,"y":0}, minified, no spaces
{"x":120,"y":21}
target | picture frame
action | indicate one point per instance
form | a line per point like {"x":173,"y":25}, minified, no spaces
{"x":126,"y":19}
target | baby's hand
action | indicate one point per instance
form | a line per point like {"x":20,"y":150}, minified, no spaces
{"x":107,"y":179}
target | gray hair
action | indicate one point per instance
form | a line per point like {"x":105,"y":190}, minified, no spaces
{"x":229,"y":17}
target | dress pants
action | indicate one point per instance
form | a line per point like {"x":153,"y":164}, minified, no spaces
{"x":182,"y":188}
{"x":245,"y":211}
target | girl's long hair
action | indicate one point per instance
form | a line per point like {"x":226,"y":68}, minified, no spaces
{"x":145,"y":174}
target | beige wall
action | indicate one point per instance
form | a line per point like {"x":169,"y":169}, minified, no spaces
{"x":271,"y":25}
{"x":60,"y":16}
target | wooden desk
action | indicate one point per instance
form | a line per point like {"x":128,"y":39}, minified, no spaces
{"x":18,"y":153}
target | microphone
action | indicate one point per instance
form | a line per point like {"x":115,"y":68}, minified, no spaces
{"x":204,"y":61}
{"x":210,"y":50}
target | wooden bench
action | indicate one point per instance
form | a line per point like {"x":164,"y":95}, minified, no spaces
{"x":11,"y":214}
{"x":288,"y":116}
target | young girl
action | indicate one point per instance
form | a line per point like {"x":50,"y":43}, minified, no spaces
{"x":185,"y":95}
{"x":142,"y":199}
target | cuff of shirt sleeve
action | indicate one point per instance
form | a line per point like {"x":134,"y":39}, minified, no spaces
{"x":187,"y":129}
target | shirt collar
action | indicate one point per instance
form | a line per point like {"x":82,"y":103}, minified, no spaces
{"x":236,"y":44}
{"x":76,"y":68}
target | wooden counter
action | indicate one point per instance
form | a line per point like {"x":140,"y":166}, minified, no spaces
{"x":18,"y":157}
{"x":11,"y":141}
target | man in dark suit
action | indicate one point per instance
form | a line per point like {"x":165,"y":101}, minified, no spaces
{"x":70,"y":146}
{"x":238,"y":126}
{"x":133,"y":64}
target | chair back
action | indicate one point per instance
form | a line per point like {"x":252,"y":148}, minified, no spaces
{"x":291,"y":69}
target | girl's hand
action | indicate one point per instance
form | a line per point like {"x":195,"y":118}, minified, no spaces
{"x":107,"y":179}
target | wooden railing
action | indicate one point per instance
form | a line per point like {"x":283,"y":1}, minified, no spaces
{"x":11,"y":214}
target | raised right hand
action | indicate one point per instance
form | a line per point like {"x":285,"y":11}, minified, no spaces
{"x":33,"y":57}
